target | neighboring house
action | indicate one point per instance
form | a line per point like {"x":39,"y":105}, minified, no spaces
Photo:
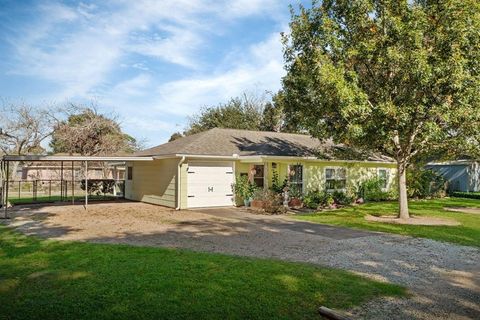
{"x":53,"y":171}
{"x":198,"y":170}
{"x":462,"y":175}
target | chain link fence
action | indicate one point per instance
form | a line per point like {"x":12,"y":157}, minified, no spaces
{"x":38,"y":191}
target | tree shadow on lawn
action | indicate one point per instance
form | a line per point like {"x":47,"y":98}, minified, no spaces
{"x":50,"y":279}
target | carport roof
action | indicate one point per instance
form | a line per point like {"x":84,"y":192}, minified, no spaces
{"x":72,"y":158}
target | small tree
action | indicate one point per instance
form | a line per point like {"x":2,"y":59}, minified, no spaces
{"x":397,"y":77}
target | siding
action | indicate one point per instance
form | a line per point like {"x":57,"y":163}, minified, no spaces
{"x":460,"y":177}
{"x":314,"y":172}
{"x":153,"y":182}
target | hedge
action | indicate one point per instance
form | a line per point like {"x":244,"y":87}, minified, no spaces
{"x":471,"y":195}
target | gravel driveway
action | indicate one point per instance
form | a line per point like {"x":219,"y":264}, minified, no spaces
{"x":444,"y":279}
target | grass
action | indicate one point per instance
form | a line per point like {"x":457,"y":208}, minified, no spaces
{"x":42,"y":279}
{"x":46,"y":199}
{"x":468,"y":233}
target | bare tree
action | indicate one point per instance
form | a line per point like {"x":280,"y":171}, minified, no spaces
{"x":23,"y":128}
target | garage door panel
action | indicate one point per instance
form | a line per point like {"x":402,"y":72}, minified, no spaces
{"x":210,"y":184}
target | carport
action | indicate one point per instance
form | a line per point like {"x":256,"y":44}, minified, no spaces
{"x":66,"y":163}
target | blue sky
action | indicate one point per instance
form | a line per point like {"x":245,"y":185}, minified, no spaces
{"x":151,"y":62}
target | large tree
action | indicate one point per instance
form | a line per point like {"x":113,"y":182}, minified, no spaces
{"x":88,"y":132}
{"x":239,"y":113}
{"x":400,"y":77}
{"x":23,"y":129}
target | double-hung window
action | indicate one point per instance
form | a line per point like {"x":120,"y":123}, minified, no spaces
{"x":258,"y":173}
{"x":295,"y":177}
{"x":335,"y":178}
{"x":383,"y":178}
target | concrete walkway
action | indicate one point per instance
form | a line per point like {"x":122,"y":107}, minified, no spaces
{"x":443,"y":278}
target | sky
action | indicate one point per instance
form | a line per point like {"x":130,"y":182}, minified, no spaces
{"x":152,"y":63}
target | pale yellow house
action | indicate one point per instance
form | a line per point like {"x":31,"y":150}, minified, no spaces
{"x":198,"y":170}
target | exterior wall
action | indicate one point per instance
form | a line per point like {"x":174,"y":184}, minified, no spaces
{"x":463,"y":177}
{"x":156,"y":181}
{"x":153,"y":182}
{"x":314,"y":176}
{"x":314,"y":172}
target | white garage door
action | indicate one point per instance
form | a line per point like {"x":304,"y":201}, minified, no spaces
{"x":210,"y":184}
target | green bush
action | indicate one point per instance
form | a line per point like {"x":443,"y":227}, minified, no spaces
{"x":243,"y":188}
{"x":277,"y":187}
{"x":320,"y":199}
{"x":98,"y":186}
{"x":342,"y":198}
{"x":470,"y":195}
{"x":425,"y":183}
{"x":371,"y":190}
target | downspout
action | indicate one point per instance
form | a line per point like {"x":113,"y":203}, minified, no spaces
{"x":179,"y":183}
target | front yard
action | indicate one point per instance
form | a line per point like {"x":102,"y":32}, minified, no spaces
{"x":45,"y":279}
{"x":467,"y":233}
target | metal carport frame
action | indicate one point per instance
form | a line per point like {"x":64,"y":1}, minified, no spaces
{"x":5,"y":164}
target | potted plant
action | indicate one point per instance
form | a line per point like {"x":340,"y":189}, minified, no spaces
{"x":243,"y":189}
{"x":258,"y":201}
{"x":295,"y":195}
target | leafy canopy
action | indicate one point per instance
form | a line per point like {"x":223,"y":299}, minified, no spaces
{"x":400,"y":77}
{"x":88,"y":132}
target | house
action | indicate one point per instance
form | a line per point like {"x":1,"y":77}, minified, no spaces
{"x":198,"y":170}
{"x":462,"y":175}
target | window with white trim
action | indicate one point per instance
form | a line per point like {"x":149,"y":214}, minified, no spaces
{"x":383,"y":177}
{"x":295,"y":176}
{"x":258,"y":173}
{"x":335,"y":178}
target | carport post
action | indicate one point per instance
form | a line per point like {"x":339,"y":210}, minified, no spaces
{"x":73,"y":184}
{"x":6,"y":189}
{"x":86,"y":184}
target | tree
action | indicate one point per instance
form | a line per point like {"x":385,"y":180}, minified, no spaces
{"x":238,"y":113}
{"x":397,"y":77}
{"x":87,"y":132}
{"x":271,"y":118}
{"x":23,"y":128}
{"x":175,"y":136}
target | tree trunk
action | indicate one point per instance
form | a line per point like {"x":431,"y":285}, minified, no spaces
{"x":402,"y":191}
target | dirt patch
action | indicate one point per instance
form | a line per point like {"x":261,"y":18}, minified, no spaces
{"x":463,"y":210}
{"x":419,"y":221}
{"x":102,"y":221}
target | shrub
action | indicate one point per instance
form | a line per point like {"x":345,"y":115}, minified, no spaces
{"x":371,"y":190}
{"x":425,"y":183}
{"x":98,"y":186}
{"x":470,"y":195}
{"x":272,"y":201}
{"x":277,"y":187}
{"x":320,"y":199}
{"x":342,"y":198}
{"x":312,"y":199}
{"x":243,"y":188}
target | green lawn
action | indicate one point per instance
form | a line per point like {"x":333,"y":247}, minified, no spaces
{"x":46,"y":199}
{"x":68,"y":280}
{"x":468,"y":233}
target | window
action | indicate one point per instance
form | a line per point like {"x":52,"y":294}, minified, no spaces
{"x":129,"y":173}
{"x":295,"y":177}
{"x":258,"y":174}
{"x":335,"y":178}
{"x":383,"y":177}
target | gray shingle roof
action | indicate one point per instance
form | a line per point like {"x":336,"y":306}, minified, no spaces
{"x":227,"y":142}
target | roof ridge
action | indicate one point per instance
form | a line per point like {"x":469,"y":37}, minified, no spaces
{"x":262,"y":131}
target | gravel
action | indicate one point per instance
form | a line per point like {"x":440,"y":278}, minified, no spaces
{"x":443,"y":279}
